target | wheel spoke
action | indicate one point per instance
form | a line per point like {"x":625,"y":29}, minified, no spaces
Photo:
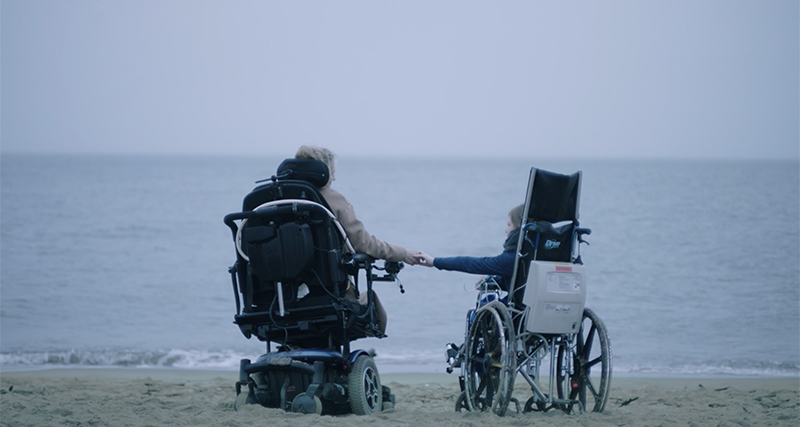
{"x":481,"y":385}
{"x":370,"y":388}
{"x":591,"y":388}
{"x":477,"y":358}
{"x":592,"y":362}
{"x":487,"y":402}
{"x":587,"y":349}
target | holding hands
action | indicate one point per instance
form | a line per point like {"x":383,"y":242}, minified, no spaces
{"x":424,"y":259}
{"x":411,"y":257}
{"x":418,"y":258}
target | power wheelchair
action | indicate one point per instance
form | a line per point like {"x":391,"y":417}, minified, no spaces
{"x":296,"y":283}
{"x":542,"y":313}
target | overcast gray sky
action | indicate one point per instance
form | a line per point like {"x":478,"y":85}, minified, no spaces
{"x":664,"y":79}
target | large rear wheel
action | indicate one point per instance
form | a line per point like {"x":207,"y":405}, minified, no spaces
{"x":490,"y":364}
{"x":584,"y":367}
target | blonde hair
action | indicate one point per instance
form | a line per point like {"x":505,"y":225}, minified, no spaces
{"x":515,"y":215}
{"x":317,"y":153}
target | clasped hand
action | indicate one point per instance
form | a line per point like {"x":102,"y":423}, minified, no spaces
{"x":424,"y":259}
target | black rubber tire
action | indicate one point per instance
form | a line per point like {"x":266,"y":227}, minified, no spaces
{"x":490,"y":360}
{"x":303,"y":404}
{"x":591,"y":391}
{"x":240,"y":401}
{"x":461,"y":402}
{"x":532,"y":406}
{"x":364,"y":387}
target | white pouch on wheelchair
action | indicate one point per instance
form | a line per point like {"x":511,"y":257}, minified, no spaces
{"x":555,"y":295}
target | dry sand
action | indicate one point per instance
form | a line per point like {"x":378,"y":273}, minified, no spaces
{"x":150,"y":397}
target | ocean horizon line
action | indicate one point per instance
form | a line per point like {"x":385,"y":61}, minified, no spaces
{"x":455,"y":157}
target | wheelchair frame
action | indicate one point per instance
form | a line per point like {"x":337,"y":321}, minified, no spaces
{"x":498,"y":346}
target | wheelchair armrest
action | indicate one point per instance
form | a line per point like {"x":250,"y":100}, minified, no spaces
{"x":363,"y":259}
{"x":356,"y":262}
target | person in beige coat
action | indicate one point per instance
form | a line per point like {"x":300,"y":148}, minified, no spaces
{"x":360,"y":238}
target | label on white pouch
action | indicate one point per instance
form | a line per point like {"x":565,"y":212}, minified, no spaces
{"x":563,"y":282}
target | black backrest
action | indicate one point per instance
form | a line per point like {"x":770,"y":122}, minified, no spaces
{"x":291,"y":238}
{"x":278,"y":252}
{"x":549,"y":221}
{"x":551,"y":214}
{"x":552,"y":197}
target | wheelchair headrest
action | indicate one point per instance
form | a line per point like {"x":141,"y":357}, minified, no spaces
{"x":313,"y":171}
{"x":554,"y":197}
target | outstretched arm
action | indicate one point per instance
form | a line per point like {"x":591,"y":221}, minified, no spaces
{"x":501,"y":265}
{"x":361,"y":239}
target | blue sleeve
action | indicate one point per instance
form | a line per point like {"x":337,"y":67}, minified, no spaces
{"x":501,"y":265}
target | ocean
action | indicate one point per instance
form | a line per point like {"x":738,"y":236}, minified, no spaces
{"x":121,"y":261}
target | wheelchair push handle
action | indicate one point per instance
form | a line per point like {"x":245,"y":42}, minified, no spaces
{"x":267,"y":212}
{"x":581,"y":232}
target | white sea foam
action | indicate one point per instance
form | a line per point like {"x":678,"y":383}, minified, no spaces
{"x":408,"y":361}
{"x":175,"y":358}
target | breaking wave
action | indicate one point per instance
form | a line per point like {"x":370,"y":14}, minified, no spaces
{"x":407,"y":361}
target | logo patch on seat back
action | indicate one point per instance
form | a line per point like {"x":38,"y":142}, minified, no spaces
{"x":552,"y":244}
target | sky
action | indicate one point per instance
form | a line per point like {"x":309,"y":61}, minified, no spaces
{"x":418,"y":78}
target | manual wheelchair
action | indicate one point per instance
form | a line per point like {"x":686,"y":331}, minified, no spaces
{"x":542,"y":314}
{"x":296,"y":283}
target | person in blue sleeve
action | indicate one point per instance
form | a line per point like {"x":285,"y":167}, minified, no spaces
{"x":500,"y":266}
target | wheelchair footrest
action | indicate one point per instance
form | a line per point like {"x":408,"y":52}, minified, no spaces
{"x":295,"y":360}
{"x":388,"y":399}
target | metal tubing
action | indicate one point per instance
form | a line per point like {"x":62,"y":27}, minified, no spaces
{"x":552,"y":367}
{"x":280,"y":298}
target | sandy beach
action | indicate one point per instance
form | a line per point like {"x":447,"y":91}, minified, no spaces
{"x":152,"y":397}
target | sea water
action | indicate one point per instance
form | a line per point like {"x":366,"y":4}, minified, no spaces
{"x":122,"y":260}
